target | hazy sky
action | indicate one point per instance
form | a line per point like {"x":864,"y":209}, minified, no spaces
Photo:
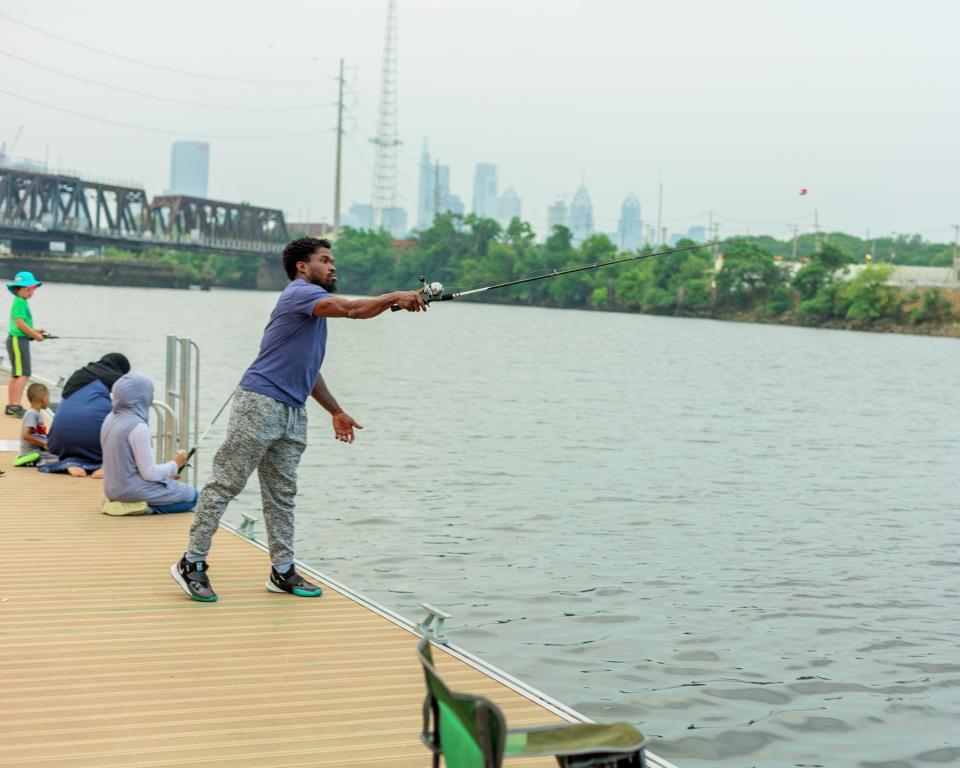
{"x":738,"y":103}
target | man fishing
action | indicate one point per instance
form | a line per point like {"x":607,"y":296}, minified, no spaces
{"x":268,"y":421}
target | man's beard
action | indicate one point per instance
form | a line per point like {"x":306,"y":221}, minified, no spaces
{"x":329,"y":287}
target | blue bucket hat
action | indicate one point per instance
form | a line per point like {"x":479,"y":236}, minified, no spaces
{"x":22,"y":280}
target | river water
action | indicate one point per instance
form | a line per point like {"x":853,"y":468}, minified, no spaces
{"x":742,"y":538}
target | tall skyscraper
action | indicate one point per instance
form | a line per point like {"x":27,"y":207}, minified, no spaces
{"x":485,"y":190}
{"x":189,"y":168}
{"x":444,"y":201}
{"x":508,"y":207}
{"x":426,"y":189}
{"x":581,"y":215}
{"x":630,"y":226}
{"x":556,"y":216}
{"x":442,"y":188}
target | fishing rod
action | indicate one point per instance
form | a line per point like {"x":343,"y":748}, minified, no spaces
{"x":47,"y":335}
{"x":209,"y":426}
{"x":434,"y":291}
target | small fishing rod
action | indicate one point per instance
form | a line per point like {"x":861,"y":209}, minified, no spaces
{"x":209,"y":426}
{"x":435,"y":292}
{"x":47,"y":335}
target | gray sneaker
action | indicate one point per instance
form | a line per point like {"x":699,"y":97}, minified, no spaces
{"x":192,"y":578}
{"x":292,"y":582}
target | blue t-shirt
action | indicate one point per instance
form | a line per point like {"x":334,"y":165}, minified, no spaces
{"x":292,"y":347}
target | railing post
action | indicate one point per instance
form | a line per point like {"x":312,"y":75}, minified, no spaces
{"x":184,"y":397}
{"x":196,"y":410}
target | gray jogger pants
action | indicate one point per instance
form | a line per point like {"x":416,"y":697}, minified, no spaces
{"x":267,"y":436}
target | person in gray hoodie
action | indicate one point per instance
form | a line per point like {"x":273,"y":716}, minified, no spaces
{"x":129,"y":473}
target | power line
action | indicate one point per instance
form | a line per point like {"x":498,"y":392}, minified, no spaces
{"x":765,"y":223}
{"x":151,"y":129}
{"x":160,"y":67}
{"x":132,"y":92}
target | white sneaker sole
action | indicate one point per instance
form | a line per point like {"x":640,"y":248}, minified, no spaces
{"x":271,"y":587}
{"x":175,"y":572}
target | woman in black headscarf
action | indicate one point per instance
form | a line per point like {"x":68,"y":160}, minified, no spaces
{"x":107,"y":370}
{"x":75,"y":432}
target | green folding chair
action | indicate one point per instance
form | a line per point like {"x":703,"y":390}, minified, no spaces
{"x":471,"y":732}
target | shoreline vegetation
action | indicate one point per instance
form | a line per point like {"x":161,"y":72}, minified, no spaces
{"x":753,"y":280}
{"x":743,"y":279}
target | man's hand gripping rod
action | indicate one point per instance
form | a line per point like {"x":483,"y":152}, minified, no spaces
{"x":431,"y":292}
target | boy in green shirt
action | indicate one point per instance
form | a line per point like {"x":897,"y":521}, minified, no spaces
{"x":21,"y":329}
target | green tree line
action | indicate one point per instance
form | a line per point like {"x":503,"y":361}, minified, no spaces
{"x":753,"y":277}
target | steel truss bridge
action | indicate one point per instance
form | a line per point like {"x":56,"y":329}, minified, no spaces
{"x":37,"y":209}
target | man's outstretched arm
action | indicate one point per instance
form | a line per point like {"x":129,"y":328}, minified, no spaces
{"x":343,"y":423}
{"x":363,"y":309}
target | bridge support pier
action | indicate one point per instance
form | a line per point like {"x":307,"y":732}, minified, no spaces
{"x":271,"y":276}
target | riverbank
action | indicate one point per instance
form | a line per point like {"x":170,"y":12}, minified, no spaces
{"x":949,"y":329}
{"x":95,"y":271}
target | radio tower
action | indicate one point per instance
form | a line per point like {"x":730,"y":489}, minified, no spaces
{"x":386,"y":142}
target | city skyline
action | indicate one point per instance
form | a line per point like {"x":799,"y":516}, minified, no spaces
{"x":739,"y":137}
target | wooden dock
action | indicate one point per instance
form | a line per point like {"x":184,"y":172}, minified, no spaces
{"x":105,"y":663}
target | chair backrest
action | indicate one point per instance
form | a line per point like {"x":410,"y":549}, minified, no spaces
{"x":469,"y":731}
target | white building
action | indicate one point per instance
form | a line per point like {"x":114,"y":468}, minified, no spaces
{"x":360,"y":216}
{"x":394,"y":221}
{"x":485,"y":191}
{"x":426,"y":190}
{"x":630,"y":227}
{"x":581,"y":215}
{"x":509,"y":207}
{"x":189,"y":168}
{"x":556,"y":216}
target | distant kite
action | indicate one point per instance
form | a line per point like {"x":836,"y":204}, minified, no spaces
{"x":803,"y":191}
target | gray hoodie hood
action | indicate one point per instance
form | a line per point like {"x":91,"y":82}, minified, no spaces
{"x":133,"y":393}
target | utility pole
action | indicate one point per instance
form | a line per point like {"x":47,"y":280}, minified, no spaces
{"x":793,"y":256}
{"x":336,"y":189}
{"x":816,"y":229}
{"x":956,"y":252}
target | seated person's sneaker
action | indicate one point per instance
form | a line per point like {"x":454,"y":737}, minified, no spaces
{"x":292,"y":582}
{"x":27,"y":459}
{"x":192,"y":578}
{"x":123,"y":508}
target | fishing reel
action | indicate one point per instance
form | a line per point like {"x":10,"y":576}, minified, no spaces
{"x":430,"y":291}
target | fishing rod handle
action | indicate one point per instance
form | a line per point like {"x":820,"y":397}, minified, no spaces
{"x":426,"y":300}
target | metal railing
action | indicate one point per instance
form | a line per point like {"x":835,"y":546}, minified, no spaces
{"x":181,"y":394}
{"x":166,"y":437}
